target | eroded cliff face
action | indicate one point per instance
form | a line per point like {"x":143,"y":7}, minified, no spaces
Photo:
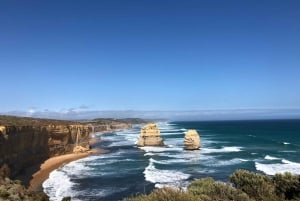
{"x":150,"y":136}
{"x":191,"y":140}
{"x":25,"y":142}
{"x":108,"y":126}
{"x":63,"y":138}
{"x":23,"y":146}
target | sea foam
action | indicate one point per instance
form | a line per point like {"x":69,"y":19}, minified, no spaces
{"x":285,"y":166}
{"x":164,"y":177}
{"x":221,"y":150}
{"x":219,"y":163}
{"x":58,"y":185}
{"x":160,"y":149}
{"x":267,"y":157}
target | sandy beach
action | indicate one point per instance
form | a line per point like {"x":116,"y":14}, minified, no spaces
{"x":55,"y":162}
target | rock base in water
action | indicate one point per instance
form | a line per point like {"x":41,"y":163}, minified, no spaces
{"x":150,"y":136}
{"x":191,"y":140}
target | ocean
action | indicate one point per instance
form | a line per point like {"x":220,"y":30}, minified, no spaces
{"x":265,"y":146}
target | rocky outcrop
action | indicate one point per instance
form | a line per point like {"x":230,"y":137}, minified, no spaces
{"x":191,"y":140}
{"x":80,"y":149}
{"x":150,"y":136}
{"x":13,"y":190}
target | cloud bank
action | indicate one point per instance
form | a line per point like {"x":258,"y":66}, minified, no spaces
{"x":83,"y":112}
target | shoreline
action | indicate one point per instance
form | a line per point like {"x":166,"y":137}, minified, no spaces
{"x":55,"y":162}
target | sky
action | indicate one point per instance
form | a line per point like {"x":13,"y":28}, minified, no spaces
{"x":149,"y":55}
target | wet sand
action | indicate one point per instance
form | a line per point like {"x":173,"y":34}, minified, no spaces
{"x":55,"y":162}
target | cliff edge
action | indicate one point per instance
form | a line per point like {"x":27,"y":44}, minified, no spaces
{"x":31,"y":141}
{"x":27,"y":142}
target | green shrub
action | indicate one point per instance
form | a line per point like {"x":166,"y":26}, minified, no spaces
{"x":256,"y":186}
{"x":210,"y":190}
{"x":40,"y":196}
{"x":166,"y":194}
{"x":66,"y":199}
{"x":287,"y":186}
{"x":18,"y":182}
{"x":202,"y":186}
{"x":4,"y":193}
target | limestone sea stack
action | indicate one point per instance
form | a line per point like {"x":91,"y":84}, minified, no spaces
{"x":191,"y":140}
{"x":150,"y":136}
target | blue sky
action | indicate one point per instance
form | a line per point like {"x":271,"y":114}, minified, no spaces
{"x":149,"y":55}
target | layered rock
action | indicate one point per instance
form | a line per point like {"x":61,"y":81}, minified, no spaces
{"x":150,"y":136}
{"x":26,"y":142}
{"x":23,"y":146}
{"x":191,"y":140}
{"x":63,"y":138}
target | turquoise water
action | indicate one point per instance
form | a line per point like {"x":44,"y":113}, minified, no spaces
{"x":263,"y":146}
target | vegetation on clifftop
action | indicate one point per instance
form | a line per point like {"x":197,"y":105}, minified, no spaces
{"x":7,"y":120}
{"x":28,"y":121}
{"x":125,"y":120}
{"x":243,"y":186}
{"x":14,"y":190}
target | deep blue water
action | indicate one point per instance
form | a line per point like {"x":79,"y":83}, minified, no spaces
{"x":264,"y":146}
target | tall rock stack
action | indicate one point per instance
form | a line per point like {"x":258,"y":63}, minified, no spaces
{"x":150,"y":136}
{"x":191,"y":140}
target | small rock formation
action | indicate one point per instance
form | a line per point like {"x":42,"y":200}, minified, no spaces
{"x":191,"y":140}
{"x":150,"y":136}
{"x":80,"y":149}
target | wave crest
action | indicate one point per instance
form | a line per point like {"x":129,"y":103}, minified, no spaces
{"x":164,"y":177}
{"x":285,"y":166}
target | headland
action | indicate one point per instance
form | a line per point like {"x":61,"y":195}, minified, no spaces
{"x":30,"y":148}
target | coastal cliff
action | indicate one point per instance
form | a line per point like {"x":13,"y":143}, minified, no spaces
{"x":150,"y":136}
{"x":21,"y":146}
{"x":105,"y":125}
{"x":25,"y":142}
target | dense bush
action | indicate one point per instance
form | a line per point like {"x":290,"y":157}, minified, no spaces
{"x":256,"y":186}
{"x":13,"y":190}
{"x":287,"y":186}
{"x":246,"y":186}
{"x":261,"y":187}
{"x":166,"y":194}
{"x":4,"y":193}
{"x":210,"y":190}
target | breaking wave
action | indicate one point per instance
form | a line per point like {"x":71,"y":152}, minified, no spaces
{"x":267,"y":157}
{"x":163,"y":178}
{"x":58,"y":185}
{"x":285,"y":166}
{"x":221,"y":150}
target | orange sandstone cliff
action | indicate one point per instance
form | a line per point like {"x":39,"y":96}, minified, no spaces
{"x":25,"y":142}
